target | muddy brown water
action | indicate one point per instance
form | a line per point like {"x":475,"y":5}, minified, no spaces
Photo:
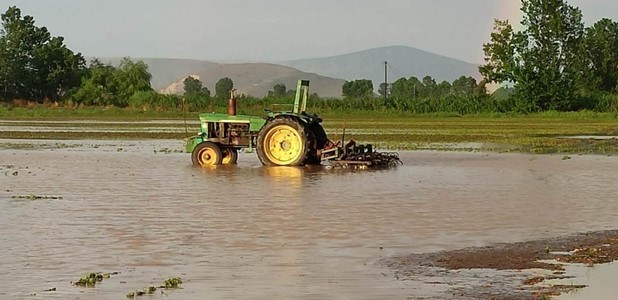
{"x":251,"y":232}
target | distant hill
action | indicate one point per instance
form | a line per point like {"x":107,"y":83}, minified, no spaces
{"x":257,"y":79}
{"x":402,"y":62}
{"x":327,"y":74}
{"x":166,"y":70}
{"x":254,"y":79}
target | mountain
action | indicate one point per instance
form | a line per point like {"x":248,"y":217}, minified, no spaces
{"x":257,"y":79}
{"x":254,"y":79}
{"x":401,"y":61}
{"x":327,"y":74}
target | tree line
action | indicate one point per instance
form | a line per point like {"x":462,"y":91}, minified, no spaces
{"x":36,"y":66}
{"x":553,"y":63}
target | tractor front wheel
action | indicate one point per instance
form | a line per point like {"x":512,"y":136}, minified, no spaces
{"x":206,"y":154}
{"x":282,"y":142}
{"x":230,"y":156}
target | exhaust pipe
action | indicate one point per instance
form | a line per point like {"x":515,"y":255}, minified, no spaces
{"x":231,"y":103}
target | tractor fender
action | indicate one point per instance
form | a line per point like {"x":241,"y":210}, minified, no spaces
{"x":299,"y":118}
{"x":192,"y":142}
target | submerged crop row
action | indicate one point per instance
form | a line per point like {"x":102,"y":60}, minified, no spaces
{"x":539,"y":133}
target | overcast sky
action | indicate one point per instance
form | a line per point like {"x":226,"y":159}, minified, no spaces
{"x":271,"y":30}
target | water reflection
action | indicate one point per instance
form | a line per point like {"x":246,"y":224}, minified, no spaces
{"x":283,"y":176}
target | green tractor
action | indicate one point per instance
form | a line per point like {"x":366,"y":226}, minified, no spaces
{"x":287,"y":138}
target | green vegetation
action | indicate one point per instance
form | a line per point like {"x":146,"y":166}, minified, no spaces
{"x":539,"y":133}
{"x":223,"y":87}
{"x":172,"y":283}
{"x":33,"y":64}
{"x":553,"y":63}
{"x":545,"y":132}
{"x":104,"y":85}
{"x":146,"y":291}
{"x":361,"y":88}
{"x":92,"y":279}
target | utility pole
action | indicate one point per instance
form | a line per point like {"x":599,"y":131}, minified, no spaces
{"x":385,"y":80}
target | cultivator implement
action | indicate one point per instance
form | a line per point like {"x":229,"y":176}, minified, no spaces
{"x":354,"y":156}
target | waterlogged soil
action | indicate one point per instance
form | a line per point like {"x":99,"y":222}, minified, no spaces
{"x":69,"y":208}
{"x":522,"y":270}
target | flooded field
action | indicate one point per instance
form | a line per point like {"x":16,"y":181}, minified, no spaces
{"x":536,"y":135}
{"x":251,"y":232}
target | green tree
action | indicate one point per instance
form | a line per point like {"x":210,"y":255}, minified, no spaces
{"x":357,"y":88}
{"x":130,"y":77}
{"x":600,"y":56}
{"x":223,"y":87}
{"x":541,"y":60}
{"x":192,"y":85}
{"x":430,"y":85}
{"x":206,"y":92}
{"x":399,"y":88}
{"x":96,"y":86}
{"x":464,"y":86}
{"x":196,"y":96}
{"x":280,"y":89}
{"x":407,"y":88}
{"x":503,"y":93}
{"x":33,"y":64}
{"x":444,"y":88}
{"x":107,"y":85}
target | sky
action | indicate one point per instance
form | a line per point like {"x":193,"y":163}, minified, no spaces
{"x":276,"y":30}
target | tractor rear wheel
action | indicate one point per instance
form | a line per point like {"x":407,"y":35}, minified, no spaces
{"x":282,"y":142}
{"x":206,"y":154}
{"x":230,"y":156}
{"x":317,"y":141}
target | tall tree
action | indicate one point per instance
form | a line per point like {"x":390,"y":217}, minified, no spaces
{"x":96,"y":86}
{"x":444,"y":88}
{"x":279,"y":89}
{"x":223,"y":87}
{"x":541,"y":60}
{"x":464,"y":86}
{"x":192,"y":85}
{"x":407,"y":88}
{"x":399,"y":88}
{"x":33,"y":64}
{"x":357,"y":88}
{"x":107,"y":85}
{"x":131,"y":77}
{"x":600,"y":56}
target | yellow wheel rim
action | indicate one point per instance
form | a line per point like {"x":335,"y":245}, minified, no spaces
{"x":283,"y":145}
{"x":228,"y":156}
{"x":207,"y":156}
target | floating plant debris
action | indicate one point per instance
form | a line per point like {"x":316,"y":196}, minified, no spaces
{"x":91,"y":279}
{"x":172,"y":283}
